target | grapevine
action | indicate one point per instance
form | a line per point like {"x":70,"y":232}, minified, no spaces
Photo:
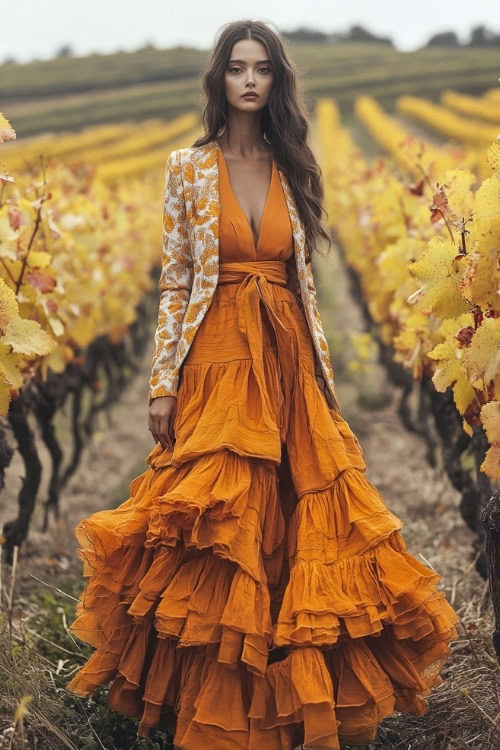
{"x":79,"y":246}
{"x":424,"y":258}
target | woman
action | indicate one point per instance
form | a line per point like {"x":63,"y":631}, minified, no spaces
{"x":254,"y":591}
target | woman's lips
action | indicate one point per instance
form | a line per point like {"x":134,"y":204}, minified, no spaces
{"x":250,"y":96}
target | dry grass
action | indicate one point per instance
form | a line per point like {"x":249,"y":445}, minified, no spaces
{"x":464,"y":712}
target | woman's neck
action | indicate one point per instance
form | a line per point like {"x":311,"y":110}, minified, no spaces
{"x":245,"y":141}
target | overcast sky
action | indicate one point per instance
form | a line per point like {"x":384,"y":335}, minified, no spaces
{"x":37,"y":28}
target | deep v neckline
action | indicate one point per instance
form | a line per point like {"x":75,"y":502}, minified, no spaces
{"x":264,"y":211}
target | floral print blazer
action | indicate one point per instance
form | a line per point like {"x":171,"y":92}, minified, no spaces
{"x":190,"y":267}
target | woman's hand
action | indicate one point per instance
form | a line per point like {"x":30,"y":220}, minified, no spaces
{"x":161,"y":420}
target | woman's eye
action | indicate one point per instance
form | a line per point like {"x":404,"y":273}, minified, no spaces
{"x":236,"y":68}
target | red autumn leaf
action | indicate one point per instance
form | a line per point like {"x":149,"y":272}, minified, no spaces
{"x":44,"y":282}
{"x":436,"y":215}
{"x":16,"y":218}
{"x":472,"y":414}
{"x":440,"y":203}
{"x":417,"y":189}
{"x":464,"y":335}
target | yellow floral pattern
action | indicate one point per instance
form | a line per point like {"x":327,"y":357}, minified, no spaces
{"x":190,"y":267}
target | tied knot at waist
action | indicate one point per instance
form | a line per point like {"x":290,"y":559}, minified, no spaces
{"x":274,"y":271}
{"x":255,"y":291}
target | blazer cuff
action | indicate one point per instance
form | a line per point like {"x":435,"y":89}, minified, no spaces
{"x":159,"y":391}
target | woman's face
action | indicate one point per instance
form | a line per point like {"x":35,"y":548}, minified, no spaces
{"x":248,"y":69}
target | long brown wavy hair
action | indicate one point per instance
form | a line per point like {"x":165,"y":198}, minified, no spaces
{"x":284,"y":120}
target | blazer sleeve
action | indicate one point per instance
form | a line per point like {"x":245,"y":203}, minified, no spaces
{"x":175,"y":283}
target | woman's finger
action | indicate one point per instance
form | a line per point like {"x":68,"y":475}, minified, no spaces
{"x":172,"y":424}
{"x":162,"y":432}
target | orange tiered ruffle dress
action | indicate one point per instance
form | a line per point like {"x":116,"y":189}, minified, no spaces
{"x":255,"y":590}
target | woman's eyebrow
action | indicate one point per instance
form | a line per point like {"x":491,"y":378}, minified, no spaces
{"x":258,"y":62}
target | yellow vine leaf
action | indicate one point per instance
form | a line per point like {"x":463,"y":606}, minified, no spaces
{"x":481,"y":360}
{"x":449,"y":368}
{"x":479,"y":282}
{"x":467,"y":428}
{"x":28,"y":338}
{"x":413,"y":342}
{"x":448,"y":327}
{"x":83,"y":331}
{"x":5,"y":397}
{"x":7,"y":132}
{"x":39,"y":259}
{"x":463,"y":394}
{"x":4,"y":175}
{"x":11,"y":364}
{"x":393,"y":260}
{"x":490,"y":417}
{"x":458,"y":184}
{"x":7,"y":237}
{"x":438,"y":270}
{"x":493,"y":158}
{"x":491,"y":463}
{"x":9,"y":309}
{"x":486,"y":205}
{"x":450,"y":372}
{"x":56,"y":326}
{"x":365,"y":348}
{"x":57,"y":361}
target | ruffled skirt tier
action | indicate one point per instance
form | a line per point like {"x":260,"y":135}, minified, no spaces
{"x":255,"y":592}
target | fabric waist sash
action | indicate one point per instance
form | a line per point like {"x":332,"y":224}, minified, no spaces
{"x":255,"y":278}
{"x":272,"y":270}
